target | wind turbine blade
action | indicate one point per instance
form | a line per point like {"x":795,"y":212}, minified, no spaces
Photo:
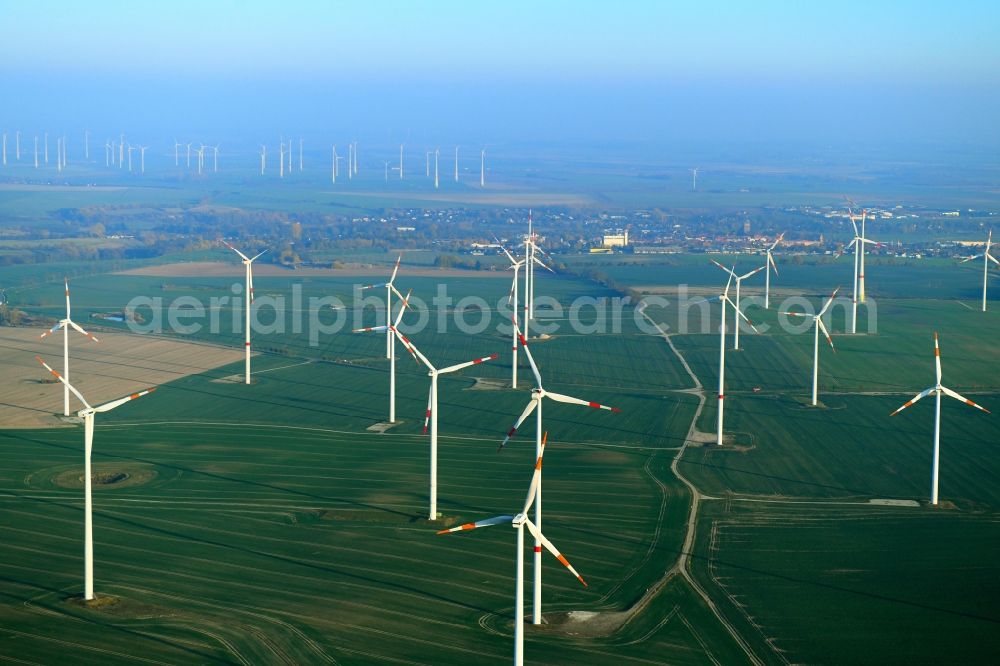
{"x":797,"y":314}
{"x":52,"y":330}
{"x":778,"y":240}
{"x":962,"y":398}
{"x":497,"y":520}
{"x":63,"y":380}
{"x":542,"y":264}
{"x":536,"y":477}
{"x":476,"y":361}
{"x":770,"y":259}
{"x":922,"y":394}
{"x":513,"y":287}
{"x":242,"y":256}
{"x":258,"y":255}
{"x":729,"y":282}
{"x":937,"y":358}
{"x":250,"y":278}
{"x":402,"y":308}
{"x":527,"y":351}
{"x":822,"y":327}
{"x":505,"y":250}
{"x":829,"y":302}
{"x":427,"y":414}
{"x":370,"y":329}
{"x":559,"y":397}
{"x":975,"y":256}
{"x":537,"y":533}
{"x":517,"y":424}
{"x":728,"y":270}
{"x":80,"y":330}
{"x":413,"y":349}
{"x":108,"y":406}
{"x":372,"y":286}
{"x":993,"y":259}
{"x":740,"y":313}
{"x":395,"y":269}
{"x":756,"y":270}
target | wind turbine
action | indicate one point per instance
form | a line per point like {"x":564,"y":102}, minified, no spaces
{"x":355,"y":158}
{"x":87,"y":414}
{"x":248,"y":262}
{"x":519,"y":522}
{"x":333,"y":168}
{"x":121,"y":151}
{"x":142,"y":159}
{"x":482,"y":168}
{"x":215,"y":162}
{"x":456,"y":163}
{"x":987,"y":258}
{"x":858,"y":242}
{"x":17,"y":145}
{"x":59,"y":162}
{"x":130,"y":149}
{"x":65,"y":325}
{"x":401,"y":161}
{"x":437,"y":155}
{"x":263,"y":158}
{"x":739,"y":280}
{"x":538,"y":394}
{"x":389,"y":289}
{"x":937,"y":390}
{"x":427,"y":164}
{"x":723,"y":301}
{"x":176,"y":155}
{"x":769,"y":264}
{"x":694,"y":178}
{"x":46,"y":147}
{"x":818,"y":326}
{"x":516,"y":265}
{"x":36,"y":153}
{"x":108,"y":151}
{"x":432,"y":406}
{"x":188,"y":155}
{"x":350,"y":162}
{"x":281,"y":159}
{"x":390,"y":331}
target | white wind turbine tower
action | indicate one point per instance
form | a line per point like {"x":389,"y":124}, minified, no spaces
{"x":121,"y":151}
{"x":739,"y":280}
{"x":355,"y":158}
{"x":17,"y":145}
{"x":177,"y":162}
{"x":538,"y":394}
{"x":427,"y":164}
{"x":215,"y":159}
{"x":59,"y":161}
{"x":142,"y":159}
{"x":937,"y":390}
{"x":86,"y":145}
{"x":46,"y":147}
{"x":387,"y":172}
{"x":263,"y":158}
{"x":281,"y":159}
{"x":188,"y":155}
{"x":107,"y":153}
{"x":62,"y":146}
{"x":694,"y":178}
{"x":437,"y":155}
{"x":432,"y":406}
{"x":987,"y":258}
{"x":390,"y":332}
{"x":456,"y":163}
{"x":515,"y":265}
{"x":291,"y":152}
{"x":333,"y":165}
{"x":769,"y":264}
{"x":36,"y":153}
{"x":130,"y":149}
{"x":519,"y":522}
{"x":858,"y":242}
{"x":401,"y":161}
{"x":482,"y":168}
{"x":723,"y":301}
{"x":817,"y":327}
{"x":350,"y":161}
{"x":248,"y":301}
{"x":65,"y":325}
{"x":87,"y":414}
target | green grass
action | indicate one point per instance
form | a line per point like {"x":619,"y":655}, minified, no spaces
{"x":843,"y":585}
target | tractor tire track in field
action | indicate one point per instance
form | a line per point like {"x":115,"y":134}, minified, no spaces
{"x":682,"y":565}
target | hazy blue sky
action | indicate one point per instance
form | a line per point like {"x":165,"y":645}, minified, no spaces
{"x":512,"y":71}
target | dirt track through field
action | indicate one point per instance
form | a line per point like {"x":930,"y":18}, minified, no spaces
{"x":117,"y":365}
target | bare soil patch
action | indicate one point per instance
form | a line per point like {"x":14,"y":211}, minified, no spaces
{"x":235,"y":270}
{"x":119,"y":364}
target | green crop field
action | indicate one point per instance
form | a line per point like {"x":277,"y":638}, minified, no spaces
{"x":264,"y":523}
